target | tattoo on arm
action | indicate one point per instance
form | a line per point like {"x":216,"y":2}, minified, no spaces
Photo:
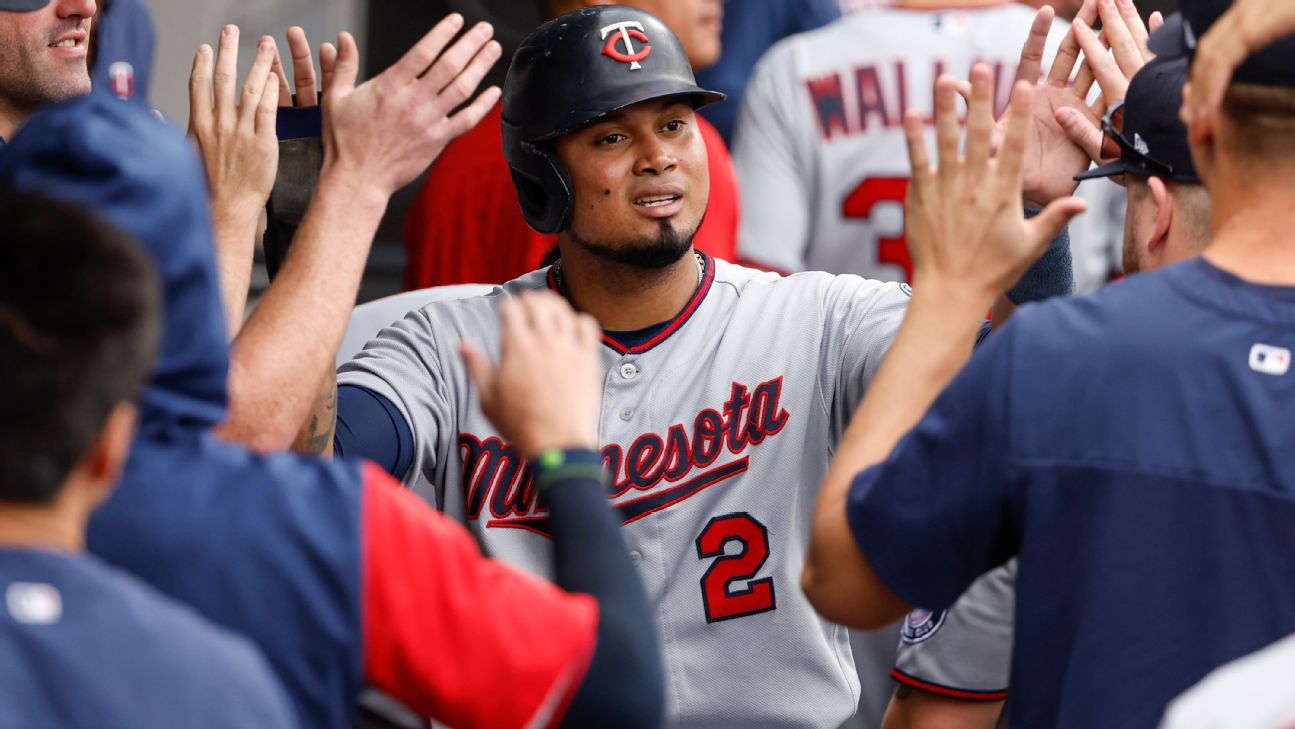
{"x":317,"y":435}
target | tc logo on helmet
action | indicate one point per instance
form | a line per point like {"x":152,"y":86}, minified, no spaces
{"x":626,"y":32}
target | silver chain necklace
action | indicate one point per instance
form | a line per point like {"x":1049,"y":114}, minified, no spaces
{"x":562,"y":284}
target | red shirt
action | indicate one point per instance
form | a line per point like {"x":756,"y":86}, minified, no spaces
{"x":466,"y":225}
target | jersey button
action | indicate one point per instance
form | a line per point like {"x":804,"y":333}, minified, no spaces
{"x":636,"y":556}
{"x":629,"y":371}
{"x":627,"y":413}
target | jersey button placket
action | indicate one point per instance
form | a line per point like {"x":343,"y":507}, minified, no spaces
{"x":628,"y":372}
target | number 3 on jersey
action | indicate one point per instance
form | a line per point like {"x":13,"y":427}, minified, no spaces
{"x":723,"y":600}
{"x":860,"y":203}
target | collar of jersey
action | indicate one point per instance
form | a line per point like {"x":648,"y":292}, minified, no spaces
{"x":669,"y":327}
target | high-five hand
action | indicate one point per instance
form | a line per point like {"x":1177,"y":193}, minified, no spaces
{"x":1112,"y":60}
{"x":235,"y":134}
{"x":386,"y":131}
{"x":966,"y":226}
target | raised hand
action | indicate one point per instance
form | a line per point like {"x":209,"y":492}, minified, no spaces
{"x":546,"y":390}
{"x":1247,"y":26}
{"x":966,"y":226}
{"x":234,"y":131}
{"x":385,"y":132}
{"x":1112,"y":60}
{"x":308,"y":89}
{"x":1051,"y":158}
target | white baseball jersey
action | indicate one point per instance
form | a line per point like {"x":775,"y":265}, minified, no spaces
{"x":717,"y":433}
{"x":1249,"y":693}
{"x":819,"y":146}
{"x":965,"y":651}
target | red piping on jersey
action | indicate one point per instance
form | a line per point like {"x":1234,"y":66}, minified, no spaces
{"x":708,"y":277}
{"x":936,"y":688}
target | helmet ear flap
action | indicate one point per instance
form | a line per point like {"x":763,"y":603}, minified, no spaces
{"x":543,"y":185}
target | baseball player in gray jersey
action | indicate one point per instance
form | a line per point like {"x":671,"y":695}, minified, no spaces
{"x":726,"y":388}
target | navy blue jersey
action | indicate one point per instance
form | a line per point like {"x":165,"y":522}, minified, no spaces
{"x":84,"y":645}
{"x":125,"y":40}
{"x":1134,"y":447}
{"x":339,"y":576}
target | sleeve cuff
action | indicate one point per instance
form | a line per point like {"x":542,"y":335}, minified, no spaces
{"x":948,"y":691}
{"x":556,"y":465}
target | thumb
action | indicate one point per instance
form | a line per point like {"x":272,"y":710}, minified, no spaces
{"x":1045,"y":226}
{"x":346,"y":67}
{"x":1086,"y":135}
{"x":480,"y":370}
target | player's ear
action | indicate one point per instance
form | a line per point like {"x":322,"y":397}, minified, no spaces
{"x":1164,"y":214}
{"x":106,"y":458}
{"x":1201,"y":136}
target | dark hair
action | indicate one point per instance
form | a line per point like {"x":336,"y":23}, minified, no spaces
{"x":79,"y":327}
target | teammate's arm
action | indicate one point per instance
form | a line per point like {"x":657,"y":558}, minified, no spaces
{"x":1246,"y":27}
{"x":547,"y":655}
{"x":377,"y":137}
{"x":969,"y":241}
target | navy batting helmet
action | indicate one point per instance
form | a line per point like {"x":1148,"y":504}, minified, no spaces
{"x":568,"y":74}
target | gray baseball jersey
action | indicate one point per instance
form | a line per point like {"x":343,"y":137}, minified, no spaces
{"x":717,"y":433}
{"x":964,"y":651}
{"x":819,"y":145}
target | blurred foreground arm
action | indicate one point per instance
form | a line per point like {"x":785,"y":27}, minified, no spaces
{"x":1248,"y":26}
{"x":544,"y":398}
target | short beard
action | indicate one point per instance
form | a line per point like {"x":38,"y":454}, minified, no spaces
{"x":650,"y":253}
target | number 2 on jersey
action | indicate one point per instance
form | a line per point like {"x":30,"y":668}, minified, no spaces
{"x":860,"y":203}
{"x":723,"y":602}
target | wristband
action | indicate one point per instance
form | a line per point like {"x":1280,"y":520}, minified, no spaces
{"x":1052,"y":275}
{"x":555,"y":465}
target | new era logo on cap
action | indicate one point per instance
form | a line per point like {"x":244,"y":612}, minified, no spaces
{"x":1270,"y":360}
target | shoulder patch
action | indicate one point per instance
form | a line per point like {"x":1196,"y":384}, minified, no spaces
{"x":920,"y":625}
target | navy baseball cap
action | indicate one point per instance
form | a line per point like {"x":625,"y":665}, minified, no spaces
{"x":22,"y":6}
{"x":1145,"y":126}
{"x":1177,"y":38}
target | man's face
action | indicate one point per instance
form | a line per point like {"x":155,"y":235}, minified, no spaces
{"x":640,"y":183}
{"x":43,"y":54}
{"x":697,"y":23}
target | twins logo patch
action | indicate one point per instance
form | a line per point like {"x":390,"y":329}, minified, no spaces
{"x":920,"y":625}
{"x":626,"y":33}
{"x":121,"y":76}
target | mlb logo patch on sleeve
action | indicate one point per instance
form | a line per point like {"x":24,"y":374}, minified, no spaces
{"x":1270,"y":360}
{"x":34,"y":603}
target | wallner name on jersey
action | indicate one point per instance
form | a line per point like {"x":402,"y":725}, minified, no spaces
{"x":717,"y":431}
